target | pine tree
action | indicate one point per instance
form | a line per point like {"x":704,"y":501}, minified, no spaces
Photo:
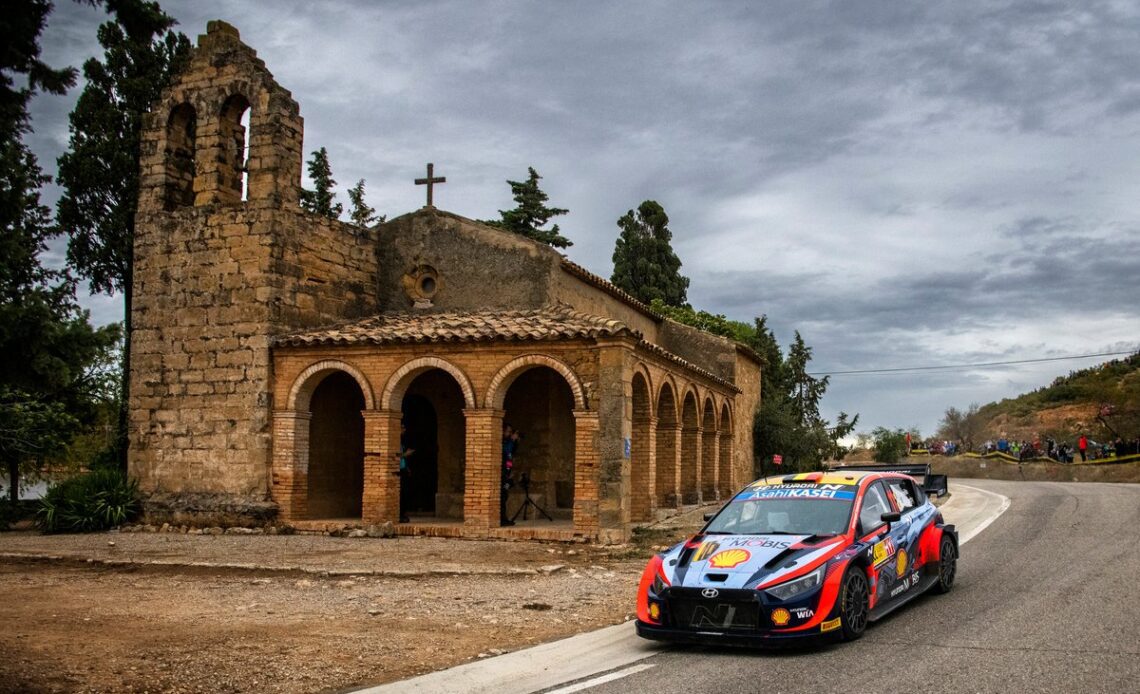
{"x":644,"y":262}
{"x":532,"y":213}
{"x":99,"y":173}
{"x":320,"y":199}
{"x":362,"y":215}
{"x":46,"y":342}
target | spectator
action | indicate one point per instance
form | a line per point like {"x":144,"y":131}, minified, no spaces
{"x":1083,"y":447}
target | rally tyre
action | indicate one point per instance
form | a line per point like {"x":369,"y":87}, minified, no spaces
{"x":854,"y":603}
{"x":947,"y":565}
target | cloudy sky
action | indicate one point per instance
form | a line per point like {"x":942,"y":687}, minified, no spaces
{"x":906,"y":184}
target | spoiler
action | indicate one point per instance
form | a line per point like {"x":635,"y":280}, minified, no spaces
{"x":937,"y":485}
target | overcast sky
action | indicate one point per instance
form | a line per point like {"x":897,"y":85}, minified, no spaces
{"x":906,"y":184}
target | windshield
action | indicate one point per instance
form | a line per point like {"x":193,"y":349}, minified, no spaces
{"x":786,"y":510}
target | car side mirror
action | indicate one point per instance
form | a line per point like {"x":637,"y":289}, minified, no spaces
{"x":892,"y":517}
{"x":709,"y":516}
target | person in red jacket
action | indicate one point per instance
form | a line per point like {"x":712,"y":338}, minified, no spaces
{"x":1083,"y":446}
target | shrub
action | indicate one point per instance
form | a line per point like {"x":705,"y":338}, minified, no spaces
{"x":87,"y":503}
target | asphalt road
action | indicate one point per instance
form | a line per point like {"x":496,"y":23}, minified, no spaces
{"x":1047,"y":599}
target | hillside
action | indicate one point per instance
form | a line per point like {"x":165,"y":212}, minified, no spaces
{"x":1069,"y":405}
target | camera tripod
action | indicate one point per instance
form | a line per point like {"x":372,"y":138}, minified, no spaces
{"x":524,"y":482}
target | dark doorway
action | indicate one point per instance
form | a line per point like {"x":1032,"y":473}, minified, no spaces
{"x":540,"y":405}
{"x":433,"y":416}
{"x":421,"y":425}
{"x":336,"y":449}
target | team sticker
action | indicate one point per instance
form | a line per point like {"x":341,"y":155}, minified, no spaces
{"x":729,"y":558}
{"x":883,"y":551}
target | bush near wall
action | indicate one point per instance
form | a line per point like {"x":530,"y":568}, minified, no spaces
{"x":91,"y":502}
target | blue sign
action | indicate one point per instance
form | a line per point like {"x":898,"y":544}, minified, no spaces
{"x":628,"y":448}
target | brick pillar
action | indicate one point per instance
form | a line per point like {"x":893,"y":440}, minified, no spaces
{"x":483,"y":478}
{"x":691,"y":465}
{"x":644,"y":469}
{"x":725,"y":482}
{"x":709,"y":466}
{"x":290,"y":467}
{"x":381,"y":459}
{"x":586,"y":467}
{"x":668,"y":464}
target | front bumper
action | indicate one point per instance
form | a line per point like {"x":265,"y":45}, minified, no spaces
{"x":735,"y":617}
{"x":744,"y":639}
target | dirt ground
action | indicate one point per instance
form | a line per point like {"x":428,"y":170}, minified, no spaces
{"x":168,"y":612}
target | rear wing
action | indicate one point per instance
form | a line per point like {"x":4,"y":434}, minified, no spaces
{"x":930,"y":483}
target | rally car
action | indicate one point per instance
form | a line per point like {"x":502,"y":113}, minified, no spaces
{"x":793,"y":556}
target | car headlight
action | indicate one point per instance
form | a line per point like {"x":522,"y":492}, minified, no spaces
{"x":658,"y":584}
{"x":790,"y":589}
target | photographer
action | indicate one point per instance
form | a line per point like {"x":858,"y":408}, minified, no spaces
{"x":510,"y":446}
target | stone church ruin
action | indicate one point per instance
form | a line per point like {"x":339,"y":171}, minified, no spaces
{"x":275,"y":352}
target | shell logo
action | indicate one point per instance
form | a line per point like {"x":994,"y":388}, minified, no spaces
{"x":729,"y":558}
{"x":780,"y":616}
{"x":900,"y":567}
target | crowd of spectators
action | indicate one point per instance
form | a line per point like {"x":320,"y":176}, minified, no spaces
{"x":1063,"y":451}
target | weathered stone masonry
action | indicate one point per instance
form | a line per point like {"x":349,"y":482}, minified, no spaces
{"x":249,"y":314}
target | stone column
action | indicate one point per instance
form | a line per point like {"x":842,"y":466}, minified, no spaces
{"x":644,"y":469}
{"x":381,"y":460}
{"x":289,"y":485}
{"x":483,"y":477}
{"x":586,"y":468}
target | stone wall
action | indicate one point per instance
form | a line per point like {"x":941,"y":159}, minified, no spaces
{"x":477,"y":268}
{"x":216,"y":276}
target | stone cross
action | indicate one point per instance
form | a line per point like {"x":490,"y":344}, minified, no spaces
{"x":430,"y":181}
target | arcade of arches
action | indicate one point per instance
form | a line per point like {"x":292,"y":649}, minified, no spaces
{"x":337,"y":436}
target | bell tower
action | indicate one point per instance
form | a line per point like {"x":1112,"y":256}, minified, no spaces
{"x":224,"y":259}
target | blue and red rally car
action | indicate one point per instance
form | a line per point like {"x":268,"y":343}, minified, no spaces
{"x":820,"y":553}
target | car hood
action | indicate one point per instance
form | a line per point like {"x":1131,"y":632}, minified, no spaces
{"x":744,"y":561}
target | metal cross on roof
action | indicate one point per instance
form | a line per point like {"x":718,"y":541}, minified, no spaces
{"x":430,"y":181}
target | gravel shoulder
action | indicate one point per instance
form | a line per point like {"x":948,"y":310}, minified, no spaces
{"x":171,"y":612}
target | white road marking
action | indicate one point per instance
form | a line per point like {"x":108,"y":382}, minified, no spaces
{"x":603,"y":679}
{"x":985,"y":523}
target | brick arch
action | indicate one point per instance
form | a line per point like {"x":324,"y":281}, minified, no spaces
{"x":307,"y":381}
{"x":668,"y":380}
{"x":643,"y":370}
{"x":400,"y":380}
{"x":497,"y":391}
{"x":725,"y":422}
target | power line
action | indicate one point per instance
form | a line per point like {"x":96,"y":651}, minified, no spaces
{"x":965,"y":366}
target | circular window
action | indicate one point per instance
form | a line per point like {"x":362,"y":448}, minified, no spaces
{"x":421,"y":284}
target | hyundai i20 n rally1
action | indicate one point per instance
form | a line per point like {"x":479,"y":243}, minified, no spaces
{"x":795,"y":556}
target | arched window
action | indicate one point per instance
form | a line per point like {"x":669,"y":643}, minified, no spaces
{"x":180,"y":168}
{"x":234,"y":129}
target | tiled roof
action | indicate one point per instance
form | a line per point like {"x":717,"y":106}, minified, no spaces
{"x":555,"y":323}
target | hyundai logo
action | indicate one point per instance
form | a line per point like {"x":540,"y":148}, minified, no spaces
{"x":710,"y":592}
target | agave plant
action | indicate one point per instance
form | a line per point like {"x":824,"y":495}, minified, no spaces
{"x":95,"y":501}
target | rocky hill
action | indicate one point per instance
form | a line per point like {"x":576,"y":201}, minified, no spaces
{"x":1103,"y":401}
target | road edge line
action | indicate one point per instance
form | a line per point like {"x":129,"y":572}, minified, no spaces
{"x":976,"y":530}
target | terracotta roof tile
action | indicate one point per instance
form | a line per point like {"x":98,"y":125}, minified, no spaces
{"x":554,"y":323}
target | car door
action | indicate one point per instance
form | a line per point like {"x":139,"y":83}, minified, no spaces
{"x":884,"y":549}
{"x":903,"y":500}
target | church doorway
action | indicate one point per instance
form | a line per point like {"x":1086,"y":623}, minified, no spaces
{"x":336,"y":448}
{"x":432,"y":410}
{"x":540,"y":405}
